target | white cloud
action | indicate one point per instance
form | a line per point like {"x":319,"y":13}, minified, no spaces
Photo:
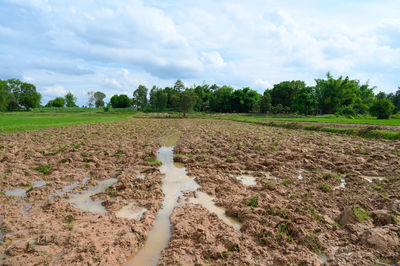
{"x":56,"y":90}
{"x":115,"y":46}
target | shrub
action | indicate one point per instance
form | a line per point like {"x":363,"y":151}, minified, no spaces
{"x":325,"y":188}
{"x":360,"y":213}
{"x":382,"y":108}
{"x":253,"y":202}
{"x":45,"y":169}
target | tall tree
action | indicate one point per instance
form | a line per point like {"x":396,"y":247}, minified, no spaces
{"x":243,"y":100}
{"x":158,"y":98}
{"x":99,"y":99}
{"x":140,"y":96}
{"x":187,"y":100}
{"x":57,"y":102}
{"x":4,"y":95}
{"x":284,"y":93}
{"x":204,"y":96}
{"x":70,"y":100}
{"x":222,"y":100}
{"x":91,"y":99}
{"x":120,"y":101}
{"x":305,"y":101}
{"x":332,"y":93}
{"x":265,"y":102}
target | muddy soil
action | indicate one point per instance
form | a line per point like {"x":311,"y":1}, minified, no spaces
{"x":284,"y":219}
{"x":72,"y":160}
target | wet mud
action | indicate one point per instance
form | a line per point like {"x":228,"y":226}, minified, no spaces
{"x":344,"y":210}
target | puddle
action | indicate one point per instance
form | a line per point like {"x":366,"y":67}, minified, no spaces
{"x":68,"y":188}
{"x":370,"y":179}
{"x":18,"y":192}
{"x":131,"y":211}
{"x":175,"y":182}
{"x":2,"y":234}
{"x":84,"y":202}
{"x":323,"y":258}
{"x":142,"y":176}
{"x":207,"y":202}
{"x":342,"y":184}
{"x":39,"y":183}
{"x":247,"y":180}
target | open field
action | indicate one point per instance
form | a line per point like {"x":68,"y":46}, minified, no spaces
{"x":329,"y":119}
{"x":286,"y":197}
{"x":19,"y":121}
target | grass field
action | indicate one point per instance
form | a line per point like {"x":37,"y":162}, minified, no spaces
{"x":317,"y":119}
{"x":19,"y":121}
{"x":58,"y":117}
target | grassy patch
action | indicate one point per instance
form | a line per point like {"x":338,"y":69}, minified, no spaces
{"x":325,"y":187}
{"x":313,"y":243}
{"x":253,"y":202}
{"x":154,"y":161}
{"x":361,"y":214}
{"x":287,"y":181}
{"x":44,"y":169}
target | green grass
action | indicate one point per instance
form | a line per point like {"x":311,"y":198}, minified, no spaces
{"x":20,"y":121}
{"x":360,"y":213}
{"x":317,"y":119}
{"x":253,"y":202}
{"x":296,"y":123}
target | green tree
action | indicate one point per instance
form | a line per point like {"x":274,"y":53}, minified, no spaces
{"x":305,"y":101}
{"x":158,"y":98}
{"x":4,"y":95}
{"x":120,"y":101}
{"x":140,"y":97}
{"x":285,"y":92}
{"x":382,"y":108}
{"x":91,"y":99}
{"x":187,"y":100}
{"x":204,"y":95}
{"x":99,"y":99}
{"x":57,"y":102}
{"x":179,"y":86}
{"x":265,"y":102}
{"x":243,"y":100}
{"x":332,"y":94}
{"x":70,"y":100}
{"x":395,"y":99}
{"x":222,"y":100}
{"x":28,"y":97}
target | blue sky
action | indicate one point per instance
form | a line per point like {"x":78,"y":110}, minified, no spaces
{"x":114,"y":46}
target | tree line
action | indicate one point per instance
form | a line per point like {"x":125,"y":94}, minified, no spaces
{"x":342,"y":96}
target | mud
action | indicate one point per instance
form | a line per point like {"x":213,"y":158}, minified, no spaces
{"x":336,"y":214}
{"x":81,"y":157}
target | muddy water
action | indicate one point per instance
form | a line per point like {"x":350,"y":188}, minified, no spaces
{"x":131,"y":211}
{"x":84,"y":202}
{"x":208,"y":202}
{"x":174,"y":182}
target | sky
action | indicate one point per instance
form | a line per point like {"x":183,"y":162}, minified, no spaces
{"x":113,"y":46}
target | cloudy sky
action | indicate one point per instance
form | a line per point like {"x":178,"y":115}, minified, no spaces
{"x":114,"y":46}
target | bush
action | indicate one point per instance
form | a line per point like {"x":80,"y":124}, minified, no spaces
{"x":347,"y":111}
{"x":382,"y":108}
{"x":253,"y":202}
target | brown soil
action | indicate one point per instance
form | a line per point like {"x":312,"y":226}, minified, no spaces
{"x":56,"y":232}
{"x":293,"y":221}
